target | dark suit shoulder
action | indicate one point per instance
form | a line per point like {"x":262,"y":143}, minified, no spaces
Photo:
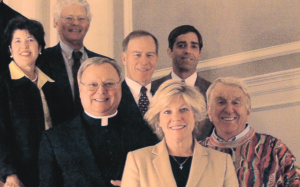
{"x":156,"y":83}
{"x":65,"y":127}
{"x":93,"y":54}
{"x":202,"y":84}
{"x":5,"y":76}
{"x":206,"y":82}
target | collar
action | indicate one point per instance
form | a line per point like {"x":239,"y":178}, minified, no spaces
{"x":191,"y":80}
{"x":68,"y":50}
{"x":16,"y":73}
{"x":135,"y":87}
{"x":235,"y":138}
{"x":104,"y":119}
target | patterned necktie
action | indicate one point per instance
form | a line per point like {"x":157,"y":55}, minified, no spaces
{"x":76,"y":55}
{"x":143,"y":101}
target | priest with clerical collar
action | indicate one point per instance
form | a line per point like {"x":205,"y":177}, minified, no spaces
{"x":91,"y":149}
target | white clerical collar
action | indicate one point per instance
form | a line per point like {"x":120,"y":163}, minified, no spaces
{"x":104,"y":119}
{"x":191,"y":80}
{"x":241,"y":135}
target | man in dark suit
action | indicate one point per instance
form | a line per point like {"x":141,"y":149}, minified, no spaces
{"x":61,"y":62}
{"x":185,"y":44}
{"x":139,"y":56}
{"x":6,"y":14}
{"x":91,"y":149}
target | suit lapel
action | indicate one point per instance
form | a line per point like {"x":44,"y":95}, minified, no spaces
{"x":162,"y":164}
{"x":128,"y":99}
{"x":58,"y":67}
{"x":84,"y":149}
{"x":199,"y":164}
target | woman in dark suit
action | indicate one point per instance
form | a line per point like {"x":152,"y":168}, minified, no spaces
{"x":178,"y":160}
{"x":28,"y":104}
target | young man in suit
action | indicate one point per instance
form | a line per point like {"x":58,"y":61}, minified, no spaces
{"x":139,"y":56}
{"x":185,"y":44}
{"x":61,"y":62}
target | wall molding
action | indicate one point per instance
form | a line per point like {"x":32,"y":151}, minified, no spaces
{"x":241,"y":58}
{"x":275,"y":90}
{"x":127,"y":17}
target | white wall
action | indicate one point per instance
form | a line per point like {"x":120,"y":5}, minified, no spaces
{"x":100,"y":35}
{"x":276,"y":106}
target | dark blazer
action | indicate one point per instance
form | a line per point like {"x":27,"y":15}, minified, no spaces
{"x":21,"y":126}
{"x":6,"y":14}
{"x":66,"y":157}
{"x":202,"y":86}
{"x":53,"y":65}
{"x":130,"y":111}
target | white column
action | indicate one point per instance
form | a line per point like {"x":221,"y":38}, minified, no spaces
{"x":100,"y":36}
{"x":127,"y":17}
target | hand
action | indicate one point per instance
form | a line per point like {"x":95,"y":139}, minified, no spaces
{"x":115,"y":182}
{"x":13,"y":180}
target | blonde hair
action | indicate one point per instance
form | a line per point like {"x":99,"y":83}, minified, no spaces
{"x":166,"y":92}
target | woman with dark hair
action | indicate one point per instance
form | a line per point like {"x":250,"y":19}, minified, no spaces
{"x":175,"y":113}
{"x":28,"y":104}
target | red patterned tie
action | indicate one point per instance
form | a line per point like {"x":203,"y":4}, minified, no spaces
{"x":143,"y":101}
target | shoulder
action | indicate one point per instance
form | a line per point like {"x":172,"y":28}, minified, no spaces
{"x":50,"y":50}
{"x":64,"y":128}
{"x":162,"y":79}
{"x":142,"y":154}
{"x":156,"y":83}
{"x":93,"y":54}
{"x":5,"y":76}
{"x":269,"y":142}
{"x":211,"y":152}
{"x":202,"y":80}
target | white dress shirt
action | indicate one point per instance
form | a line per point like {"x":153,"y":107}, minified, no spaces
{"x":67,"y":54}
{"x":191,"y":80}
{"x":135,"y":89}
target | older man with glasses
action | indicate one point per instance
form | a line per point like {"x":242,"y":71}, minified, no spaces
{"x":91,"y":149}
{"x":61,"y":62}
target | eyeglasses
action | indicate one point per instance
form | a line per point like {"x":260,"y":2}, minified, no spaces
{"x":96,"y":86}
{"x":71,"y":19}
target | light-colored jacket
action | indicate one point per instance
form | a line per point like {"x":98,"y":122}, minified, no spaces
{"x":150,"y":167}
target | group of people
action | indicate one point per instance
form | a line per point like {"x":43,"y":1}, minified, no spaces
{"x":69,"y":118}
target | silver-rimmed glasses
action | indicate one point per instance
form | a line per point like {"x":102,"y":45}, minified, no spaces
{"x":96,"y":86}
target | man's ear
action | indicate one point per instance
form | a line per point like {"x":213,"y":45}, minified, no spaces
{"x":124,"y":58}
{"x":55,"y":23}
{"x":169,"y":51}
{"x":209,"y":113}
{"x":248,"y":111}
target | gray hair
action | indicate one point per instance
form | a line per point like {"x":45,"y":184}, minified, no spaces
{"x":230,"y":81}
{"x":167,"y":91}
{"x":61,"y":4}
{"x":98,"y":61}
